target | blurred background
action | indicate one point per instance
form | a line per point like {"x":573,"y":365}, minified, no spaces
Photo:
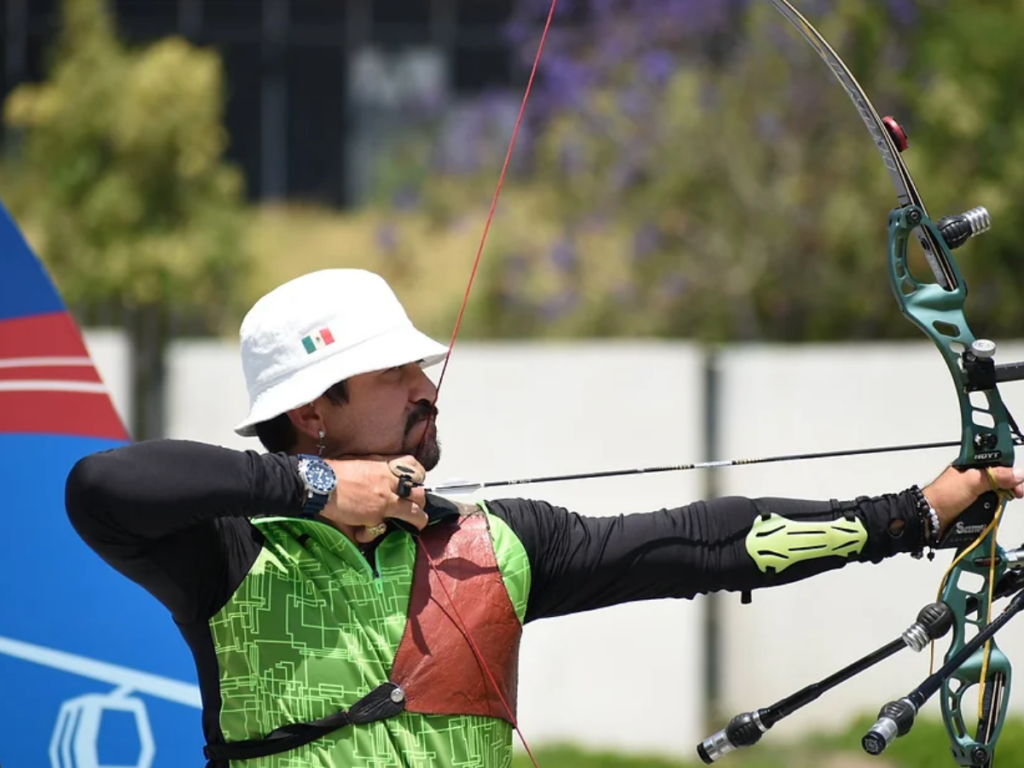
{"x":687,"y":260}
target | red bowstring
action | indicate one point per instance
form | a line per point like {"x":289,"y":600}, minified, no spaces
{"x":497,"y":194}
{"x":461,"y":624}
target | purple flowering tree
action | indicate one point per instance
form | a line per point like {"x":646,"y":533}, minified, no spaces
{"x":690,"y":168}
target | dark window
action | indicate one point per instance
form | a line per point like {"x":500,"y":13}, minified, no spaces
{"x":316,"y":99}
{"x":43,"y":15}
{"x":473,"y":13}
{"x":236,"y":14}
{"x":319,"y":12}
{"x":7,"y":74}
{"x":243,"y":70}
{"x":409,"y":12}
{"x":150,"y":12}
{"x":400,"y":22}
{"x":37,"y":54}
{"x":146,"y":20}
{"x":478,"y":67}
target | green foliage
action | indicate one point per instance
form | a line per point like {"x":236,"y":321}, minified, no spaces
{"x":739,"y":196}
{"x":120,"y":180}
{"x":925,"y":747}
{"x":971,"y":125}
{"x":565,"y":756}
{"x":735,"y":195}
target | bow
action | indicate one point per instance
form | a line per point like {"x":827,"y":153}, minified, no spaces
{"x":988,"y":437}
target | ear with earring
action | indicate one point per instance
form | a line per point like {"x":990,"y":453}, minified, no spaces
{"x":320,"y":444}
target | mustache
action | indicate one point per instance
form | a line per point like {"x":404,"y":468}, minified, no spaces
{"x":422,"y":411}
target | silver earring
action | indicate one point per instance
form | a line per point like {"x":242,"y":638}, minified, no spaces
{"x":320,"y":445}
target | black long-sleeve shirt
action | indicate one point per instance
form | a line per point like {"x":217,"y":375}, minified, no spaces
{"x":173,"y":517}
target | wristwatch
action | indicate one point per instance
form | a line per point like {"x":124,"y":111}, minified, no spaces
{"x":319,"y":479}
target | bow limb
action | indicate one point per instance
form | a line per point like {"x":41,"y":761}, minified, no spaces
{"x":988,"y":432}
{"x":906,"y":190}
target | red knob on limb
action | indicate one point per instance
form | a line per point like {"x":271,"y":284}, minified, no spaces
{"x":898,"y":135}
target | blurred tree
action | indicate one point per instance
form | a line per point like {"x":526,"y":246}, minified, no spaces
{"x":690,"y":168}
{"x":123,"y":187}
{"x":965,"y":70}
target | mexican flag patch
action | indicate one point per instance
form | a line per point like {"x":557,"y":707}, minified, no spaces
{"x":318,"y":340}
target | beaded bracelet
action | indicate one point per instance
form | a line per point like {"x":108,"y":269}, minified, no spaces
{"x":929,"y":520}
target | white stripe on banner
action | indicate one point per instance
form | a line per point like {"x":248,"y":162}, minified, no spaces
{"x":45,"y":362}
{"x":28,"y":385}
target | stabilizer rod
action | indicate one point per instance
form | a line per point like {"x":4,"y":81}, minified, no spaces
{"x":896,"y":718}
{"x":1009,"y":372}
{"x":957,"y":230}
{"x":746,"y":729}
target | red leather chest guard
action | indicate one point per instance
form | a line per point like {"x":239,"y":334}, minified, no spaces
{"x":435,"y":664}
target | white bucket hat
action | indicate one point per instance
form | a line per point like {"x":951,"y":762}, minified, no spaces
{"x":316,"y":330}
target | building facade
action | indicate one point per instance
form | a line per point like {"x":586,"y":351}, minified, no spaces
{"x":313,"y":85}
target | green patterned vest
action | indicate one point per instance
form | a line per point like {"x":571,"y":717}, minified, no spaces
{"x":315,"y":626}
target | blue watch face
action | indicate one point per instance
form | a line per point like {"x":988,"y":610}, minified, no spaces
{"x":319,"y":476}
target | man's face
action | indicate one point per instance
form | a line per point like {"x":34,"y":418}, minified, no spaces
{"x":389,"y":413}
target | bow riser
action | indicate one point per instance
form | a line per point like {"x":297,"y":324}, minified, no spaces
{"x":986,"y":440}
{"x":986,"y":435}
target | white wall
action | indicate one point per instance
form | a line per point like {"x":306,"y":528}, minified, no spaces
{"x":110,"y":352}
{"x":625,"y":676}
{"x":523,"y":410}
{"x":631,"y":677}
{"x":783,"y":400}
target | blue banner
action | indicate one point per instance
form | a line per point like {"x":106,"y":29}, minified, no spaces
{"x":93,"y":672}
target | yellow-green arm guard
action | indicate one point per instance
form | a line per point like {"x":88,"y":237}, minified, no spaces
{"x":775,"y":542}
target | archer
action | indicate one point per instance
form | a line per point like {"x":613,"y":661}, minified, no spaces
{"x":339,"y":614}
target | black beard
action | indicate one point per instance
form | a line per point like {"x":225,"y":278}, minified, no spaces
{"x":428,"y":454}
{"x":428,"y":450}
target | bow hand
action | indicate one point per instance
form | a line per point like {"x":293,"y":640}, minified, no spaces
{"x":963,"y":499}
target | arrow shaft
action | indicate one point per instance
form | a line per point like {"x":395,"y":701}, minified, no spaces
{"x":470,"y":487}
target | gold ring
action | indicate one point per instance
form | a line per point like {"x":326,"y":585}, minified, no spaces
{"x":377,"y":530}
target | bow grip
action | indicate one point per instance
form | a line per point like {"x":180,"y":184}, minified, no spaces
{"x":971,"y":523}
{"x":986,"y":438}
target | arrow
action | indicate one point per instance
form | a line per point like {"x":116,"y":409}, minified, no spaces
{"x":467,"y":486}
